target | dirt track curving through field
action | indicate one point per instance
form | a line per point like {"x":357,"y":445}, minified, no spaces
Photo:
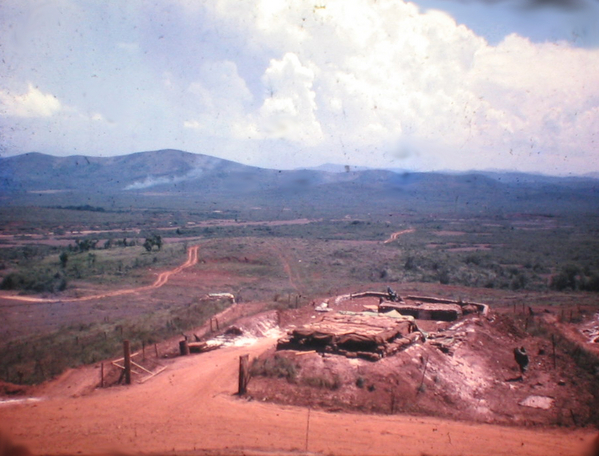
{"x":191,"y":406}
{"x":192,"y":259}
{"x":395,"y":235}
{"x":161,"y":280}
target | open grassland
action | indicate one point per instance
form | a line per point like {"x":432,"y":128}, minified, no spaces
{"x":37,"y":269}
{"x":62,"y":253}
{"x":36,"y":358}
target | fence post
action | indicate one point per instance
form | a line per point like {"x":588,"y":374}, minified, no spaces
{"x":553,"y":345}
{"x":184,"y":348}
{"x":244,"y":374}
{"x":127,"y":361}
{"x":102,"y":375}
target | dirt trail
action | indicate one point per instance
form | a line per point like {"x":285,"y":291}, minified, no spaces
{"x":191,"y":406}
{"x":294,"y":278}
{"x":192,"y":259}
{"x":395,"y":235}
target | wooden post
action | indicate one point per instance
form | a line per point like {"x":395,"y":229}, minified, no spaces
{"x":102,"y":375}
{"x":211,"y":325}
{"x":127,"y":361}
{"x":308,"y":429}
{"x":156,"y":349}
{"x":423,"y":377}
{"x":184,"y":348}
{"x":553,"y":344}
{"x":244,"y":374}
{"x":217,"y":325}
{"x":143,"y":350}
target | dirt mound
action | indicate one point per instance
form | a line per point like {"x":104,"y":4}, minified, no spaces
{"x":10,"y":389}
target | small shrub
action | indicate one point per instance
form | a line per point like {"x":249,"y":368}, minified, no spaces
{"x":278,"y":366}
{"x":443,"y":277}
{"x":321,"y":381}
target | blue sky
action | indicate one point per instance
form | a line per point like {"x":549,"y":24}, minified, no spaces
{"x":431,"y":85}
{"x":573,"y":21}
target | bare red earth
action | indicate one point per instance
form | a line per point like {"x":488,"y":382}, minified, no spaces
{"x":192,"y":406}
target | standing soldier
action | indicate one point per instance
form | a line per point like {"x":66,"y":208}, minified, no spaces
{"x":522,"y":359}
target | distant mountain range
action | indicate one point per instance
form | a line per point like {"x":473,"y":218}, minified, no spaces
{"x":173,"y":178}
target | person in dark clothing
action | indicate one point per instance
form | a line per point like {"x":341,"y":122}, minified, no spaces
{"x":521,"y":358}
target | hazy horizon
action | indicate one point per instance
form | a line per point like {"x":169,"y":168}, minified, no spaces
{"x":339,"y":168}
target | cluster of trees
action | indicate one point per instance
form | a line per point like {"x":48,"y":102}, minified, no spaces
{"x":573,"y":277}
{"x":118,"y":243}
{"x":150,"y":242}
{"x":83,"y":207}
{"x":39,"y":282}
{"x":85,"y":245}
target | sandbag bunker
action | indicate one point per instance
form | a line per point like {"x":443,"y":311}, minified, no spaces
{"x":366,"y":335}
{"x":424,"y":307}
{"x":382,"y":331}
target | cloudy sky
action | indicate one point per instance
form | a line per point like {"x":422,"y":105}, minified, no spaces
{"x":425,"y":85}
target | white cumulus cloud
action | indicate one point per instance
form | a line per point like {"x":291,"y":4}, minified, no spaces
{"x":391,"y":82}
{"x":217,"y":98}
{"x":288,"y":112}
{"x":33,"y":103}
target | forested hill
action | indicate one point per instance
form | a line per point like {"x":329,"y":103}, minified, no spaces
{"x":177,"y":179}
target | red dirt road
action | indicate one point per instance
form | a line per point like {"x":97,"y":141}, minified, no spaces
{"x":395,"y":235}
{"x":163,"y":277}
{"x":191,"y":406}
{"x":192,"y":259}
